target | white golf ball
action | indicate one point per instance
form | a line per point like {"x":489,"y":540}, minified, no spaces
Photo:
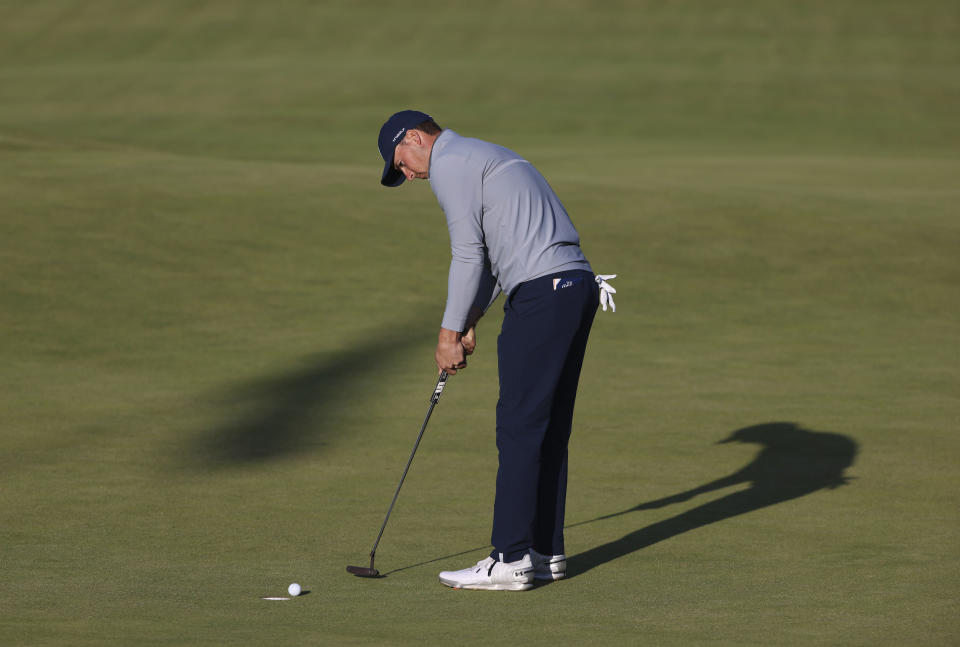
{"x":294,"y":589}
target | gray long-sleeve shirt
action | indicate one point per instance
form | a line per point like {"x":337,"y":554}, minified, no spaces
{"x":506,"y":224}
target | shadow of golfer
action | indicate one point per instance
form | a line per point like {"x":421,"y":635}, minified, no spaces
{"x":792,"y":462}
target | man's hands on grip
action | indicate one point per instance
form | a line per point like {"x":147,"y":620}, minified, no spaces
{"x":469,"y":340}
{"x":450,"y":353}
{"x":453,"y":348}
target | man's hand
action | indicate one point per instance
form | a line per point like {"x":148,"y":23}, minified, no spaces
{"x":469,"y":340}
{"x":450,"y":354}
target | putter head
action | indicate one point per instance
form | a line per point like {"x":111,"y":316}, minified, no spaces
{"x":363,"y":571}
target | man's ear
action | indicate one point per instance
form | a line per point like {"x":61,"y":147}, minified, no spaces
{"x":413,"y":137}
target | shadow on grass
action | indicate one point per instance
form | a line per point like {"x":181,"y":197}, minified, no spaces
{"x":304,"y":408}
{"x":792,"y":463}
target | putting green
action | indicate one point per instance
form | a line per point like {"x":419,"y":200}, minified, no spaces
{"x":218,"y":328}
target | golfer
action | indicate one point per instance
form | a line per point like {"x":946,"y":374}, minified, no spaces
{"x":508,"y":233}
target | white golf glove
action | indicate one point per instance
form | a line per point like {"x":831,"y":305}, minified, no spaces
{"x":606,"y":291}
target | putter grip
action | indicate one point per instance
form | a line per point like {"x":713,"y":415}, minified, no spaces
{"x":442,"y":382}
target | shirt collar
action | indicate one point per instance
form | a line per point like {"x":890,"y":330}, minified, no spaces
{"x":439,"y":144}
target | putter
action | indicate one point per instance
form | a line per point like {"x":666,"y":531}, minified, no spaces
{"x":361,"y":571}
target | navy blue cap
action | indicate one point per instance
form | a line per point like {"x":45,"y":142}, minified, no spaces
{"x":392,"y":134}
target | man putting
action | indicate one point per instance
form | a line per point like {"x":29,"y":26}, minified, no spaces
{"x":508,"y":232}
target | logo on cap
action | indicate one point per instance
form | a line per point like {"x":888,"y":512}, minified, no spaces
{"x":397,"y":136}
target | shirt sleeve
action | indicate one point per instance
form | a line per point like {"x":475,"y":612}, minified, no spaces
{"x":489,"y":289}
{"x":459,"y":191}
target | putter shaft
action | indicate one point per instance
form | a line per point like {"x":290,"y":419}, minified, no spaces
{"x":433,"y":402}
{"x":372,"y":572}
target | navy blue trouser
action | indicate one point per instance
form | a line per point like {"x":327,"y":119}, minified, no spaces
{"x":540,"y":352}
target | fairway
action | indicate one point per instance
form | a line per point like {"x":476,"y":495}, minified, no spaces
{"x":218,"y":328}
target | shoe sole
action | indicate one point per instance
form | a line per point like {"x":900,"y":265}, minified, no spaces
{"x":511,"y":586}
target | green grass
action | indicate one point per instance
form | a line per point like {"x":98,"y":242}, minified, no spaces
{"x":217,"y":329}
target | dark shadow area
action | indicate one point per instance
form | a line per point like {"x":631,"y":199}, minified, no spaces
{"x":307,"y":407}
{"x":792,"y":463}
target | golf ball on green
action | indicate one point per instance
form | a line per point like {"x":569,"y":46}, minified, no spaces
{"x":294,"y":589}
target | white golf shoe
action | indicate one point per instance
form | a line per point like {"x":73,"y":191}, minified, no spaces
{"x":548,"y":567}
{"x":492,"y":575}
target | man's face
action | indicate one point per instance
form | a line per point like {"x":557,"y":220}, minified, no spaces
{"x":412,"y":156}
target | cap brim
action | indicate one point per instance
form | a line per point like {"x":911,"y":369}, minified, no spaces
{"x":391,"y":176}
